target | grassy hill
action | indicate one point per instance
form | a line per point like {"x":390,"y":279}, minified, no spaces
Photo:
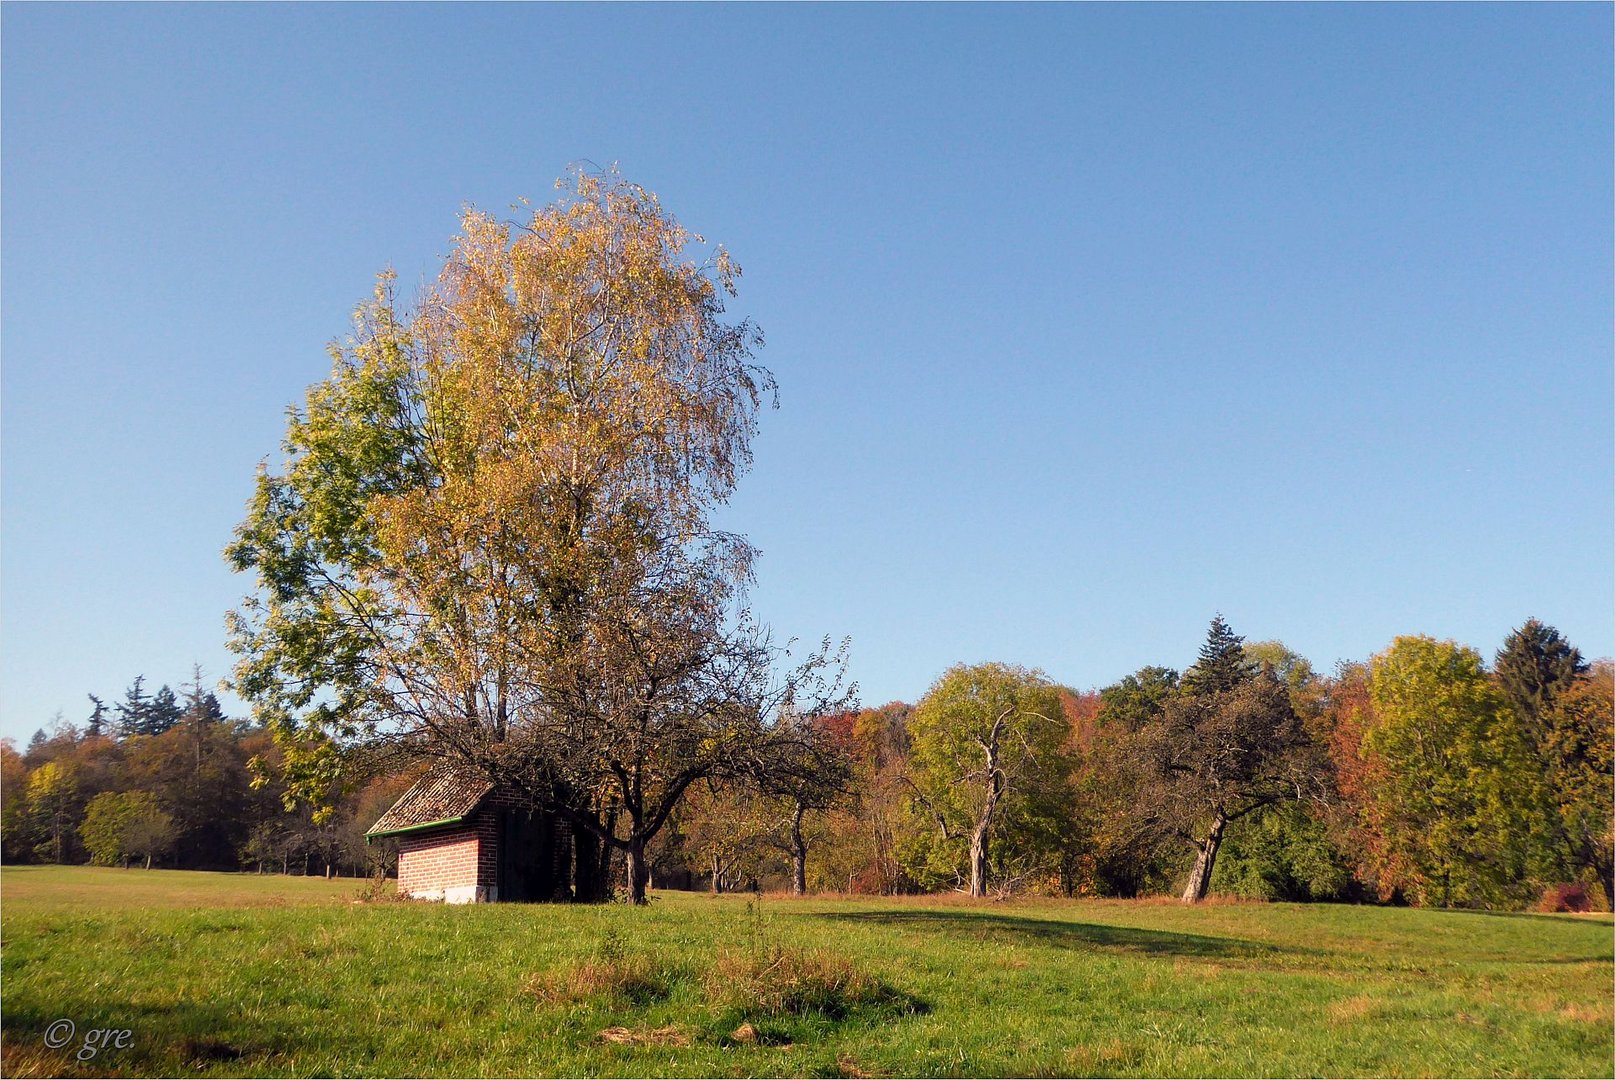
{"x":219,"y":974}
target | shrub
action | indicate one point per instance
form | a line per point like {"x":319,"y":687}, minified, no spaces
{"x":1570,"y":896}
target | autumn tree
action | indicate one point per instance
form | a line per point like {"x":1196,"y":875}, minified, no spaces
{"x":1579,"y":751}
{"x":492,"y":543}
{"x":52,"y":794}
{"x":1226,"y":746}
{"x":806,"y":771}
{"x":985,"y":737}
{"x":14,"y":822}
{"x":865,"y":834}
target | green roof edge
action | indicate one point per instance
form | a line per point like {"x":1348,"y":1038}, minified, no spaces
{"x":417,"y":828}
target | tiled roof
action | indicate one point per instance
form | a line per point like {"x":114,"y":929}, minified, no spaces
{"x":443,"y":796}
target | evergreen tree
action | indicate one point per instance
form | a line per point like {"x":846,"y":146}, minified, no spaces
{"x":163,"y":712}
{"x":1223,"y":665}
{"x":1534,"y":666}
{"x":201,"y":706}
{"x":98,"y":717}
{"x":133,"y":708}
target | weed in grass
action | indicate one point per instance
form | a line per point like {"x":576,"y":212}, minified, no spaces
{"x":765,"y":979}
{"x":379,"y":889}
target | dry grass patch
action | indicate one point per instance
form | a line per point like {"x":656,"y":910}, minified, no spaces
{"x":1352,"y":1009}
{"x":779,"y":981}
{"x":662,"y":1036}
{"x":1589,"y":1014}
{"x":612,"y":975}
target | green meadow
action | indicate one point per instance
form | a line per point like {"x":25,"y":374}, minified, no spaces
{"x":230,"y":975}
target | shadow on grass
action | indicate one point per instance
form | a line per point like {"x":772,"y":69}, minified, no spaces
{"x":989,"y":926}
{"x":188,"y":1035}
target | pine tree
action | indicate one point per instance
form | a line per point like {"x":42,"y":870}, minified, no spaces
{"x":1535,"y":665}
{"x":98,"y":717}
{"x":1223,"y":664}
{"x":163,"y":712}
{"x":201,"y":705}
{"x":133,"y":708}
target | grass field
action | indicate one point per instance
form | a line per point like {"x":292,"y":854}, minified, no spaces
{"x":218,"y":974}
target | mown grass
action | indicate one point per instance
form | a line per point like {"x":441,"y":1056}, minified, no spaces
{"x":242,"y":975}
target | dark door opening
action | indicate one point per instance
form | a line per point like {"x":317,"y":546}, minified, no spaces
{"x":526,"y":863}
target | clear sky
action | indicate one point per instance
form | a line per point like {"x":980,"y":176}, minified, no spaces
{"x":1089,"y":321}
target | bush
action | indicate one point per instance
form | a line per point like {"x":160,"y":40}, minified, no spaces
{"x":1570,"y":896}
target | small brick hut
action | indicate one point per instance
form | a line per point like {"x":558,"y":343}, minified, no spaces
{"x":462,"y":840}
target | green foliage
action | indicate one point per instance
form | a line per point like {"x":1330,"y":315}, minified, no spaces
{"x":1137,"y":699}
{"x":1283,"y":853}
{"x":122,"y":825}
{"x":1459,"y":795}
{"x":1579,"y":755}
{"x":987,"y":758}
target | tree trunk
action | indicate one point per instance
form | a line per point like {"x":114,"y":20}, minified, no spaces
{"x":1205,"y":862}
{"x":148,"y":860}
{"x":994,"y":791}
{"x":717,"y":874}
{"x":798,"y":854}
{"x":638,"y":870}
{"x":978,"y":859}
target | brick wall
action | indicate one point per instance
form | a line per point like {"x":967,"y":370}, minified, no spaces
{"x":431,"y":864}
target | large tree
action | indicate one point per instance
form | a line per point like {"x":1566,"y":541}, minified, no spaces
{"x":1457,"y":796}
{"x":984,"y":739}
{"x":1534,"y":666}
{"x":1226,"y":746}
{"x":121,"y":825}
{"x":492,"y":543}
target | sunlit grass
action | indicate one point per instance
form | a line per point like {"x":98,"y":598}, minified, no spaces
{"x":245,"y":975}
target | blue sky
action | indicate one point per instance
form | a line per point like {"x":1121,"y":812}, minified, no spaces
{"x":1089,"y":321}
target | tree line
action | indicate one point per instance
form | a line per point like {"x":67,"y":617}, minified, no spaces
{"x":167,"y":779}
{"x":1420,"y":776}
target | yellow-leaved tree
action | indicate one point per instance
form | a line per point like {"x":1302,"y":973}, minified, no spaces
{"x":492,"y":542}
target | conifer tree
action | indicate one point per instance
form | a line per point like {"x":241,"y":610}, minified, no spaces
{"x":1534,"y":666}
{"x":1223,"y":665}
{"x":133,"y":708}
{"x":98,"y":717}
